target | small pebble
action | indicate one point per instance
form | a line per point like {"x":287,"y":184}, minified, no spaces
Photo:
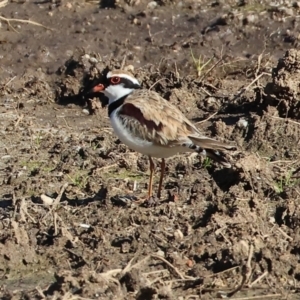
{"x":152,"y":5}
{"x":178,"y":235}
{"x":251,"y":18}
{"x":160,"y":253}
{"x":84,"y":225}
{"x":93,"y":60}
{"x":242,"y":123}
{"x":47,"y":200}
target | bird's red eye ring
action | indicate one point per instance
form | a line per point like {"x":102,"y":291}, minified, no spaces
{"x":115,"y":80}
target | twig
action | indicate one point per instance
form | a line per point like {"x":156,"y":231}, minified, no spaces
{"x":205,"y":91}
{"x":258,"y":279}
{"x":225,"y":271}
{"x":243,"y":90}
{"x":19,"y":120}
{"x":285,"y":234}
{"x":10,"y":80}
{"x":250,"y":255}
{"x":149,"y":33}
{"x":106,"y":167}
{"x":200,"y":122}
{"x":130,"y":266}
{"x":77,"y":255}
{"x":40,"y":292}
{"x":8,"y":20}
{"x":66,"y":122}
{"x":259,"y":59}
{"x":110,"y":273}
{"x":169,"y":264}
{"x":58,"y":198}
{"x":55,"y":222}
{"x":282,"y":161}
{"x":156,"y":82}
{"x":176,"y":71}
{"x":210,"y":69}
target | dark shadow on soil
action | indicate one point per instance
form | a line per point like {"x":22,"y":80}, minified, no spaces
{"x":225,"y":178}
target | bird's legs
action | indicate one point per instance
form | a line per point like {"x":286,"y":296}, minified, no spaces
{"x":152,"y":168}
{"x":162,"y":173}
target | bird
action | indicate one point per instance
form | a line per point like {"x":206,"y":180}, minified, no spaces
{"x":151,"y":125}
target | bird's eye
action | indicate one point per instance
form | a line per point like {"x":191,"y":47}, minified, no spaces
{"x":115,"y":80}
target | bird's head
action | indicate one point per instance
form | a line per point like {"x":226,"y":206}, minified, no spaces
{"x":118,"y":83}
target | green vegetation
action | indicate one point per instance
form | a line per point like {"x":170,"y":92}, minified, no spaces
{"x":207,"y":163}
{"x":200,"y":64}
{"x":286,"y":181}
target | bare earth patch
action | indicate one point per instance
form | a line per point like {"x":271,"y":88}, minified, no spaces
{"x":71,"y":227}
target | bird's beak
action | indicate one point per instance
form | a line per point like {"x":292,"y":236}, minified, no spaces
{"x":98,"y":88}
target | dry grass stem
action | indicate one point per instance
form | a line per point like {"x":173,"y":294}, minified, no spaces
{"x":203,"y":121}
{"x":58,"y":198}
{"x":169,"y":264}
{"x":243,"y":90}
{"x":9,"y":81}
{"x":8,"y":20}
{"x":210,"y":69}
{"x":260,"y":278}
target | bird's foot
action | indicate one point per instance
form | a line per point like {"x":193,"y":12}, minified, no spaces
{"x":150,"y":201}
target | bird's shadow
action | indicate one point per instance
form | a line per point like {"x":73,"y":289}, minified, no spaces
{"x":224,"y":178}
{"x":99,"y":196}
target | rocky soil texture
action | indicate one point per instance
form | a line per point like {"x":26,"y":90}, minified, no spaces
{"x":71,"y":227}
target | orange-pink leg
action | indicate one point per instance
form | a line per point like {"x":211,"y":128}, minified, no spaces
{"x":152,"y":168}
{"x":162,"y":173}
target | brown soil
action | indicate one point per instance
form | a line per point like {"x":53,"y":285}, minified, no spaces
{"x":70,"y":226}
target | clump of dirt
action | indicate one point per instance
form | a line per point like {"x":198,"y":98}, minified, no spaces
{"x":284,"y":90}
{"x":78,"y":75}
{"x":83,"y":70}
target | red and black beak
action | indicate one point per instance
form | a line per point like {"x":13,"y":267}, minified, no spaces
{"x":100,"y":87}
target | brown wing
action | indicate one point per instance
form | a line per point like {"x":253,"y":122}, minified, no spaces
{"x":153,"y":118}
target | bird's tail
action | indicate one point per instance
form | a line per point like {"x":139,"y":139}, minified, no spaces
{"x":213,"y":149}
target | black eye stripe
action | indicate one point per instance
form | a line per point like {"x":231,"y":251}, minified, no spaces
{"x":126,"y":82}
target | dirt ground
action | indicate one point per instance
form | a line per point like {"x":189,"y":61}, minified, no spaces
{"x":71,"y":227}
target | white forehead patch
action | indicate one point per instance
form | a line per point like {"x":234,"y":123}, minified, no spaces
{"x":122,"y":75}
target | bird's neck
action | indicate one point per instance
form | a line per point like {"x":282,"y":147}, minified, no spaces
{"x":114,"y":93}
{"x":115,"y":104}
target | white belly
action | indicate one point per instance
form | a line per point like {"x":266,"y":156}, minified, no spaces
{"x":142,"y":146}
